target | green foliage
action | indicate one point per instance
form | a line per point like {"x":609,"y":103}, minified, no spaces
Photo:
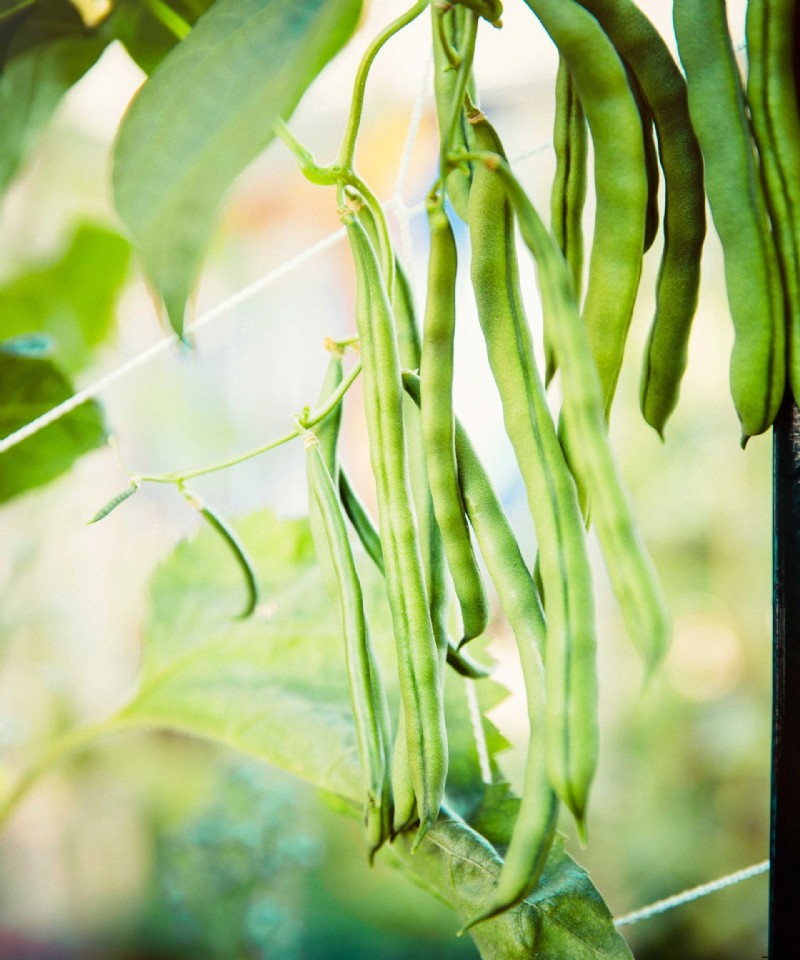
{"x":44,"y":50}
{"x":144,"y":36}
{"x":197,"y":124}
{"x":73,"y":299}
{"x":275,"y":687}
{"x":30,"y":385}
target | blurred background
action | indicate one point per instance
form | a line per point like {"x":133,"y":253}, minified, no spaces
{"x":161,"y":847}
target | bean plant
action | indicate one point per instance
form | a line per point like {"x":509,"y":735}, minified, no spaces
{"x":652,"y":138}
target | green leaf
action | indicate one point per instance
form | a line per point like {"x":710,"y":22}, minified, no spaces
{"x":205,"y":114}
{"x":144,"y":36}
{"x":72,"y":300}
{"x":29,"y":386}
{"x":565,"y":918}
{"x":44,"y":50}
{"x":275,"y":687}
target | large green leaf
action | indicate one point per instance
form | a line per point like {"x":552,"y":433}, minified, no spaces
{"x":206,"y":113}
{"x":72,"y":300}
{"x":30,"y":384}
{"x":275,"y":687}
{"x":44,"y":49}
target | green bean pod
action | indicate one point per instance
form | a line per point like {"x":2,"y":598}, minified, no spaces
{"x":719,"y":117}
{"x":664,"y":89}
{"x":776,"y":125}
{"x":438,"y":424}
{"x":534,"y":828}
{"x":572,"y":739}
{"x":620,"y":180}
{"x":651,"y":216}
{"x":568,"y":193}
{"x":630,"y":569}
{"x":367,"y":695}
{"x":448,"y":39}
{"x":418,"y":663}
{"x":236,"y":547}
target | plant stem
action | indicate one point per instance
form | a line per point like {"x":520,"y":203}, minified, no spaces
{"x":168,"y":18}
{"x":307,"y":420}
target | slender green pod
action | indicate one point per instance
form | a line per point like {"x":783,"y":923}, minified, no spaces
{"x":772,"y":100}
{"x":620,"y":180}
{"x":719,"y":117}
{"x":367,"y":695}
{"x":534,"y":828}
{"x":572,"y":739}
{"x":651,"y":216}
{"x":234,"y":544}
{"x":630,"y":569}
{"x":115,"y":501}
{"x":438,"y":424}
{"x":365,"y":529}
{"x":418,"y":663}
{"x":664,"y":88}
{"x":449,"y":32}
{"x":568,"y":193}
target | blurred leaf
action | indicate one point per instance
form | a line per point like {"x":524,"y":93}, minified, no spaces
{"x":144,"y":36}
{"x":565,"y":918}
{"x":30,"y":386}
{"x":205,"y":114}
{"x":44,"y":49}
{"x":74,"y":299}
{"x":275,"y":687}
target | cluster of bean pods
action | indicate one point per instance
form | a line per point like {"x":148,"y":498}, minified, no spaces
{"x":618,"y":87}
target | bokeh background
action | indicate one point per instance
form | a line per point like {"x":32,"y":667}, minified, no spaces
{"x":156,"y":846}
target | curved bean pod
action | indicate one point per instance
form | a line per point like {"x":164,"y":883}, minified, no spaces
{"x":776,"y":126}
{"x":615,"y":263}
{"x":717,"y":108}
{"x":630,"y":569}
{"x":572,"y":738}
{"x":535,"y":825}
{"x":367,"y":695}
{"x":418,"y":664}
{"x":438,"y":425}
{"x":568,"y":193}
{"x":664,"y":89}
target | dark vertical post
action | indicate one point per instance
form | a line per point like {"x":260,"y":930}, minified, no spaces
{"x":784,"y":900}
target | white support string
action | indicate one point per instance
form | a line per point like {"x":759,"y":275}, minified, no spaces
{"x":694,"y":893}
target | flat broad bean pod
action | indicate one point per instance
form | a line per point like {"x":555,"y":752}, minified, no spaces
{"x":664,"y":89}
{"x":615,"y":262}
{"x":438,"y":424}
{"x":630,"y":569}
{"x":571,"y":731}
{"x":568,"y":192}
{"x":367,"y":696}
{"x":418,"y":662}
{"x":534,"y":828}
{"x":755,"y":297}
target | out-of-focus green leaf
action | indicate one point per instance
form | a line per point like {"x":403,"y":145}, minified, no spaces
{"x":565,"y":918}
{"x":205,"y":114}
{"x":73,"y":299}
{"x":275,"y":686}
{"x":29,"y":386}
{"x":44,"y":50}
{"x":144,"y":36}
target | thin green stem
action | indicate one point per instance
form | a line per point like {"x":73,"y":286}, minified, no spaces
{"x":467,"y":57}
{"x":453,"y":56}
{"x":168,"y":18}
{"x":308,"y":419}
{"x":348,"y":148}
{"x":311,"y":170}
